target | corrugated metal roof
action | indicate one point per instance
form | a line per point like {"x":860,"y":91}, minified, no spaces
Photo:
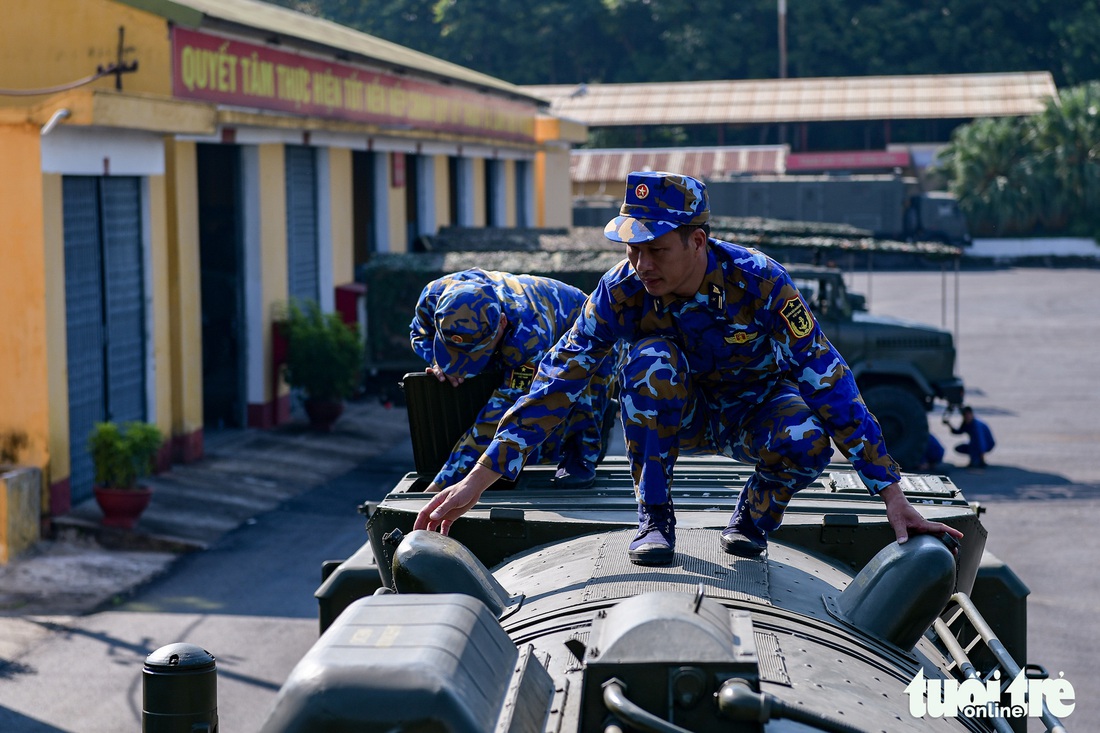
{"x":802,"y":100}
{"x":611,"y":164}
{"x":291,"y":24}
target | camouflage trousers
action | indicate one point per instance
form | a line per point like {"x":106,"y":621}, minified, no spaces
{"x":580,"y":436}
{"x":665,"y":415}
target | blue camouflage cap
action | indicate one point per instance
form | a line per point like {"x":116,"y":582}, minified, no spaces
{"x":658,"y":202}
{"x":467,"y":316}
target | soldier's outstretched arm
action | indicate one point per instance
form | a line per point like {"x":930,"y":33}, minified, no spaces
{"x":455,"y":500}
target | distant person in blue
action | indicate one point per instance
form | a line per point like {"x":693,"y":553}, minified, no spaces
{"x":722,"y":357}
{"x":981,"y":437}
{"x":933,"y":454}
{"x":475,"y":321}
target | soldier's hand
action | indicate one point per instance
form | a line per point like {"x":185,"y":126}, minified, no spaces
{"x":906,"y":520}
{"x":443,"y":377}
{"x":454,"y":501}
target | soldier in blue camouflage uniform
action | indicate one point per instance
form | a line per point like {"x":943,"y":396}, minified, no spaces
{"x":724,"y":358}
{"x":472,"y":321}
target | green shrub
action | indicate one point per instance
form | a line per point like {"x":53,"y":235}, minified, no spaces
{"x":324,"y":354}
{"x":122,"y":455}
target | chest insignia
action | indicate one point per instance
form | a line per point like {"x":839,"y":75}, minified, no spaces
{"x":741,"y":337}
{"x":717,"y":297}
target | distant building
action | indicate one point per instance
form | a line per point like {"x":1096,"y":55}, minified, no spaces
{"x":772,"y":126}
{"x":809,"y":115}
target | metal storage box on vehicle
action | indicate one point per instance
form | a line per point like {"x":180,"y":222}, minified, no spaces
{"x":406,"y":663}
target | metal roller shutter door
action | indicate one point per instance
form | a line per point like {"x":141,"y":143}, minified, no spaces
{"x":104,"y":311}
{"x":301,"y":224}
{"x":83,"y":325}
{"x":125,"y":307}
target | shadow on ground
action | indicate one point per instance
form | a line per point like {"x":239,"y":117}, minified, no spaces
{"x":1011,"y":482}
{"x":13,"y":721}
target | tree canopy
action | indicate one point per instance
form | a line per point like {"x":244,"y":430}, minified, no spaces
{"x":617,"y":41}
{"x":1040,"y":174}
{"x":1012,"y":176}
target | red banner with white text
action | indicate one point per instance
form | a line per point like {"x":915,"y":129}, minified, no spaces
{"x":216,"y":69}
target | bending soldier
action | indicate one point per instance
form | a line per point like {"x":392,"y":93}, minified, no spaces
{"x":474,"y":321}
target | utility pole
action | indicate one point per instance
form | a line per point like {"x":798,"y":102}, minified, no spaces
{"x":781,"y":130}
{"x":782,"y":39}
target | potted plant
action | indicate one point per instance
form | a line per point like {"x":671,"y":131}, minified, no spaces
{"x":324,"y":359}
{"x":122,"y":456}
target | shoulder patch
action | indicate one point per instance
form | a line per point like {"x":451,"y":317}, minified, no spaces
{"x":522,"y":376}
{"x":798,"y":318}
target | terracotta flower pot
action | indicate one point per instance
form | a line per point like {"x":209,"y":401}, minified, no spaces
{"x":323,"y":414}
{"x":122,"y":507}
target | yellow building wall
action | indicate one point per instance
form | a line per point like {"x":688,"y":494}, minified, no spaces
{"x":274,"y":279}
{"x":397,"y":208}
{"x":45,"y":43}
{"x":24,"y":385}
{"x":343,"y":236}
{"x":538,"y":169}
{"x":159,"y":274}
{"x":510,"y":202}
{"x":553,"y":190}
{"x":184,"y":286}
{"x":478,"y":166}
{"x":442,"y":175}
{"x":553,"y":184}
{"x":56,"y":335}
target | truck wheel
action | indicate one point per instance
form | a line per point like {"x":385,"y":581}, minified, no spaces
{"x":904,"y":423}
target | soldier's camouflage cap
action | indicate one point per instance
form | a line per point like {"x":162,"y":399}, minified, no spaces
{"x":467,"y":316}
{"x":657,"y":202}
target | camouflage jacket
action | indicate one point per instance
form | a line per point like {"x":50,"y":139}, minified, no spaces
{"x":746,"y":330}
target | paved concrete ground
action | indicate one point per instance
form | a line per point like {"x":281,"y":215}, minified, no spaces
{"x":1028,"y":354}
{"x":243,"y":474}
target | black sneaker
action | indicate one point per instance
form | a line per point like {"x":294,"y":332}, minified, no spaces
{"x":655,"y":543}
{"x":741,"y":537}
{"x":574,"y":474}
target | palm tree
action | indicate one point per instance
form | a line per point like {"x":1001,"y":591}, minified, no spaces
{"x":1067,"y":144}
{"x":990,"y":169}
{"x":1038,"y":174}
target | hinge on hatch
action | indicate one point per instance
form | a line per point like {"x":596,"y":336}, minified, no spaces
{"x":507,"y":522}
{"x":839,"y":529}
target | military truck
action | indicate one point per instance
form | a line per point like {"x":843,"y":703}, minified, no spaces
{"x":529,"y":618}
{"x":890,"y":206}
{"x":903,"y":368}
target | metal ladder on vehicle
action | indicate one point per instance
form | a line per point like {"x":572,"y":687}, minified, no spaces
{"x":962,"y":620}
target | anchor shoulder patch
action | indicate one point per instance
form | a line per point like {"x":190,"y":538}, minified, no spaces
{"x":798,"y":318}
{"x":522,"y":376}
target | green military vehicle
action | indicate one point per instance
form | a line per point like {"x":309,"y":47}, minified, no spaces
{"x":530,"y":618}
{"x":902,"y":367}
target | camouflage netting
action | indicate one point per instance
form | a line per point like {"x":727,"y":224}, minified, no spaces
{"x":394,"y":282}
{"x":579,"y":256}
{"x":459,"y":239}
{"x":772,"y":234}
{"x":761,"y":233}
